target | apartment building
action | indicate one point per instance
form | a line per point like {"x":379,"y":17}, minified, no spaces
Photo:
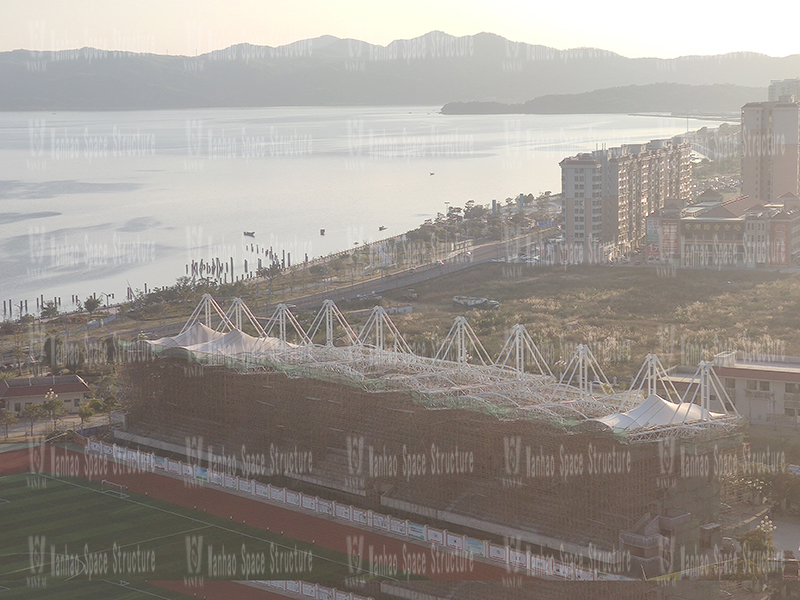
{"x":770,"y":149}
{"x":786,"y":90}
{"x":629,"y":182}
{"x":581,"y":185}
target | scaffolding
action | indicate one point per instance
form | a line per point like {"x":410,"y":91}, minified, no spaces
{"x":517,"y":384}
{"x":328,"y":390}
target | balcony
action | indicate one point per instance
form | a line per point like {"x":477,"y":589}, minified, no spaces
{"x":758,"y":395}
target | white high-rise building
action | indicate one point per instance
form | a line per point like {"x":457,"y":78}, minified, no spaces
{"x":786,"y":90}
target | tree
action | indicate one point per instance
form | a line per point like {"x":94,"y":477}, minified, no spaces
{"x":8,"y":420}
{"x":91,"y":304}
{"x":53,"y":407}
{"x":49,"y":310}
{"x":75,"y":358}
{"x":110,"y":404}
{"x":19,"y":351}
{"x":85,"y":412}
{"x":52,"y":351}
{"x":33,"y":412}
{"x":104,"y":406}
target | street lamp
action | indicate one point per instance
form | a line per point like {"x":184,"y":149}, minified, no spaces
{"x":111,"y":296}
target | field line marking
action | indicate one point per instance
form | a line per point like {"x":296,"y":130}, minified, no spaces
{"x":131,"y":587}
{"x":207,"y":524}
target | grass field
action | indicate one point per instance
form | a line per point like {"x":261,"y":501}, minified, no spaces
{"x":64,"y":535}
{"x":684,"y":315}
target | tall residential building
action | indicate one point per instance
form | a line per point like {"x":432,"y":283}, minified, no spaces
{"x":770,"y":149}
{"x":635,"y":180}
{"x":786,"y":90}
{"x":582,"y":209}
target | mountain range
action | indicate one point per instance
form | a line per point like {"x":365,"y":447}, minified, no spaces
{"x":433,"y":69}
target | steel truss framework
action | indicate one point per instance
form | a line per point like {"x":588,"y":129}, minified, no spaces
{"x":518,"y":384}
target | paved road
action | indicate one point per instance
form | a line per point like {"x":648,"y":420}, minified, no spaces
{"x":787,"y":534}
{"x":407,"y":278}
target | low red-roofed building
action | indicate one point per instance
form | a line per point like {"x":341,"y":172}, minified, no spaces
{"x":15,"y":394}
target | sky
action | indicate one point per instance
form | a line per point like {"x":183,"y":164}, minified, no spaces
{"x":189,"y":27}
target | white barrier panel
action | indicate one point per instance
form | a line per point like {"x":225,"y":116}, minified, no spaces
{"x":146,"y":460}
{"x":340,"y":595}
{"x":292,"y":498}
{"x":133,"y":456}
{"x":201,"y":473}
{"x":582,"y":574}
{"x":344,"y":511}
{"x":107,"y":450}
{"x":398,"y":526}
{"x":281,"y":585}
{"x":278,"y":494}
{"x":216,"y":478}
{"x":173,"y":466}
{"x":119,"y":453}
{"x":435,"y":536}
{"x":246,"y":486}
{"x":359,"y":516}
{"x":474,"y":546}
{"x":231,"y":482}
{"x":610,"y":577}
{"x":540,"y":565}
{"x":160,"y":463}
{"x":262,"y":490}
{"x":293,"y":586}
{"x":324,"y":593}
{"x":309,"y":589}
{"x":380,"y":521}
{"x":95,"y":446}
{"x":324,"y":507}
{"x":517,"y":559}
{"x":416,"y":531}
{"x":456,"y":542}
{"x":498,"y":553}
{"x":562,"y":570}
{"x":309,"y":502}
{"x":187,"y":470}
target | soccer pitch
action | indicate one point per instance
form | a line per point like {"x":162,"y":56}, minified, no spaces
{"x":61,"y":535}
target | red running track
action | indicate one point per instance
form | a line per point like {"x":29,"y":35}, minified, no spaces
{"x":308,"y":528}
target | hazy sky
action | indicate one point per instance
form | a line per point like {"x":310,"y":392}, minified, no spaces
{"x":663,"y":29}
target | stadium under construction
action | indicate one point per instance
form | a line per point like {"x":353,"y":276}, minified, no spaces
{"x":627,"y":479}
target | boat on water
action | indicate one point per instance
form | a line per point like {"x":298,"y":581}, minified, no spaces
{"x":322,"y":232}
{"x":382,"y":228}
{"x":250,"y":233}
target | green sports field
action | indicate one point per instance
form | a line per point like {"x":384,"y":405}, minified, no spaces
{"x":62,"y":537}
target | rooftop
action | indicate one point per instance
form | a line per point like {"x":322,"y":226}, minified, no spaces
{"x":39,"y":386}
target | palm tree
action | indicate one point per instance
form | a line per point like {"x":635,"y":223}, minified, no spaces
{"x":91,"y":304}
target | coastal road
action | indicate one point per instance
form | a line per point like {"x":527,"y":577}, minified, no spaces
{"x":408,"y":278}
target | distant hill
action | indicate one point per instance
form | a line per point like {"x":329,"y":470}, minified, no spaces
{"x":433,"y":69}
{"x":678,"y":98}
